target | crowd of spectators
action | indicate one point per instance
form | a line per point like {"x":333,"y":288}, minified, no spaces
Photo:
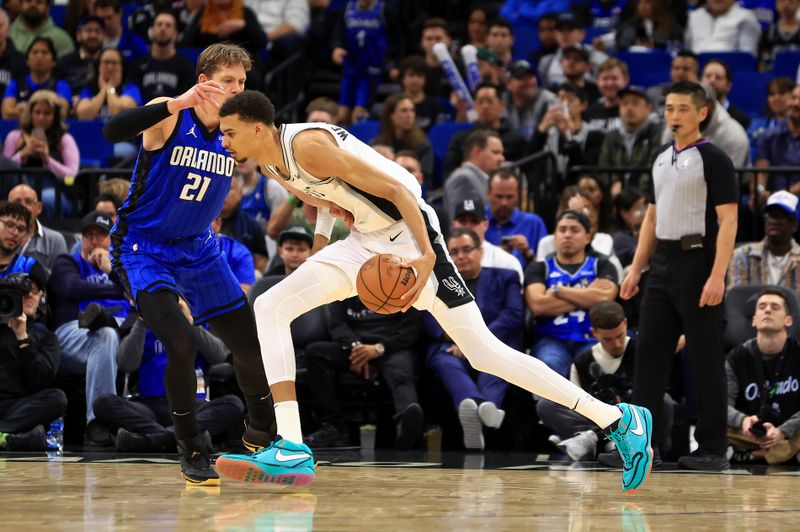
{"x":545,"y":267}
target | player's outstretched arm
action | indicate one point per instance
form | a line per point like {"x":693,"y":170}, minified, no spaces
{"x":319,"y":154}
{"x":157,"y":119}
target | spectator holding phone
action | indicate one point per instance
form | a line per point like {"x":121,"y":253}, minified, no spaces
{"x":763,"y":392}
{"x":42,"y":141}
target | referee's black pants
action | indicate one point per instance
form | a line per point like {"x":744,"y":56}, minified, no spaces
{"x":669,"y":308}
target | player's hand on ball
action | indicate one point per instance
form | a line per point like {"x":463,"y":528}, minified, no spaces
{"x":423,"y":267}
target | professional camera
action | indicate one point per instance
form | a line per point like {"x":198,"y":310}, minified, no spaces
{"x":12,"y":289}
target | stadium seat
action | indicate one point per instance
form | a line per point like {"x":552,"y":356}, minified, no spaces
{"x":738,"y":61}
{"x":366,"y":130}
{"x":95,"y":149}
{"x":191,"y":54}
{"x":7,"y":126}
{"x":526,"y":38}
{"x":750,"y":91}
{"x":786,"y":64}
{"x":642,"y":66}
{"x":439,"y":136}
{"x":740,"y":305}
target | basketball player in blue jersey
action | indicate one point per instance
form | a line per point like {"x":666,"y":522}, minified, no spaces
{"x":163,"y":246}
{"x":332,"y":170}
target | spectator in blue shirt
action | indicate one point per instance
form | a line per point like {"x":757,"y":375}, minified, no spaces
{"x":515,"y":231}
{"x":117,"y":34}
{"x":477,"y":396}
{"x":108,"y":94}
{"x":41,"y":62}
{"x":780,"y":146}
{"x":238,"y":256}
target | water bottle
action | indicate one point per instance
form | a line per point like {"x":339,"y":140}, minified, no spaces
{"x":55,"y":436}
{"x":201,"y":384}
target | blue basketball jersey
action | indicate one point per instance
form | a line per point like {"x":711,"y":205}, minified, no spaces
{"x":572,"y":326}
{"x":365,"y":38}
{"x":177,"y":191}
{"x":256,"y":203}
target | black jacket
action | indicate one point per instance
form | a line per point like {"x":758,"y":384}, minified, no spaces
{"x":350,"y":321}
{"x":28,"y":370}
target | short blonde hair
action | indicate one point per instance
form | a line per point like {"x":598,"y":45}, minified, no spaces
{"x":219,"y":55}
{"x":610,"y":64}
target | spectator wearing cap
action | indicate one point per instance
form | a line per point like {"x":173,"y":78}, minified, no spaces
{"x":515,"y":231}
{"x":719,"y":76}
{"x":163,"y":71}
{"x":483,"y":154}
{"x":722,"y":26}
{"x":569,"y":33}
{"x":40,"y":242}
{"x":526,"y":102}
{"x":117,"y":34}
{"x":29,"y":358}
{"x":76,"y":66}
{"x":561,"y":288}
{"x":34,"y":21}
{"x":237,"y":256}
{"x":603,"y":115}
{"x":413,"y":73}
{"x":14,"y":222}
{"x":294,"y":247}
{"x":577,"y":70}
{"x":489,"y":104}
{"x":87,"y":303}
{"x":490,"y":69}
{"x":476,"y":396}
{"x":563,"y":132}
{"x":12,"y":62}
{"x":635,"y":143}
{"x":500,"y":40}
{"x":471,"y":214}
{"x":776,"y":259}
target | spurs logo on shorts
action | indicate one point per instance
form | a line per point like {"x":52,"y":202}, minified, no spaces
{"x":451,"y":284}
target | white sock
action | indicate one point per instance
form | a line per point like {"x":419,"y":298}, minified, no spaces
{"x":601,"y":413}
{"x":287,"y":413}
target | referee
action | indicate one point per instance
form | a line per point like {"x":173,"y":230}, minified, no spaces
{"x":687,"y":237}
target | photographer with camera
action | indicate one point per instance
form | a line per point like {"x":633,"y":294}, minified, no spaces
{"x":87,"y":305}
{"x":763,"y":391}
{"x":605,"y":370}
{"x":29,"y":357}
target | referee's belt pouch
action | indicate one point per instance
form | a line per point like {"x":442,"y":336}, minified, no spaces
{"x":691,"y":242}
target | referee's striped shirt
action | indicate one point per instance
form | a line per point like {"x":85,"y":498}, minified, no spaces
{"x":686,"y":187}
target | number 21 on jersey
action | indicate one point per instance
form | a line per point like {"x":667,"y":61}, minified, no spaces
{"x":196,"y":181}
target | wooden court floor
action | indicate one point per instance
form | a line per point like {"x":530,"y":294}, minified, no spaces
{"x":131,"y":494}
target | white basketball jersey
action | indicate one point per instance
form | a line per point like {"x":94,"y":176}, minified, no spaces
{"x":371,"y":213}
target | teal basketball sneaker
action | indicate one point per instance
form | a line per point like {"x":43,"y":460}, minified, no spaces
{"x":633,"y":437}
{"x":280,"y":462}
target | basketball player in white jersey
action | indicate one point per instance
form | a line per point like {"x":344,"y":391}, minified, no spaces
{"x":329,"y":168}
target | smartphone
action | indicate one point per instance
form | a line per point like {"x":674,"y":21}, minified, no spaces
{"x":758,"y":430}
{"x":38,"y":133}
{"x":506,"y":240}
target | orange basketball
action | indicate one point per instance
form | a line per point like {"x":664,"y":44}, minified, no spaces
{"x":382,"y":281}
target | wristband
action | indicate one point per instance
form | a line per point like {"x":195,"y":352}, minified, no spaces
{"x":325,"y":223}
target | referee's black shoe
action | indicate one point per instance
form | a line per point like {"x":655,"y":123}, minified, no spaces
{"x":196,"y":461}
{"x":700,"y":461}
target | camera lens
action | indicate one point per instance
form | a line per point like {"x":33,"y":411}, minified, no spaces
{"x":6,"y":304}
